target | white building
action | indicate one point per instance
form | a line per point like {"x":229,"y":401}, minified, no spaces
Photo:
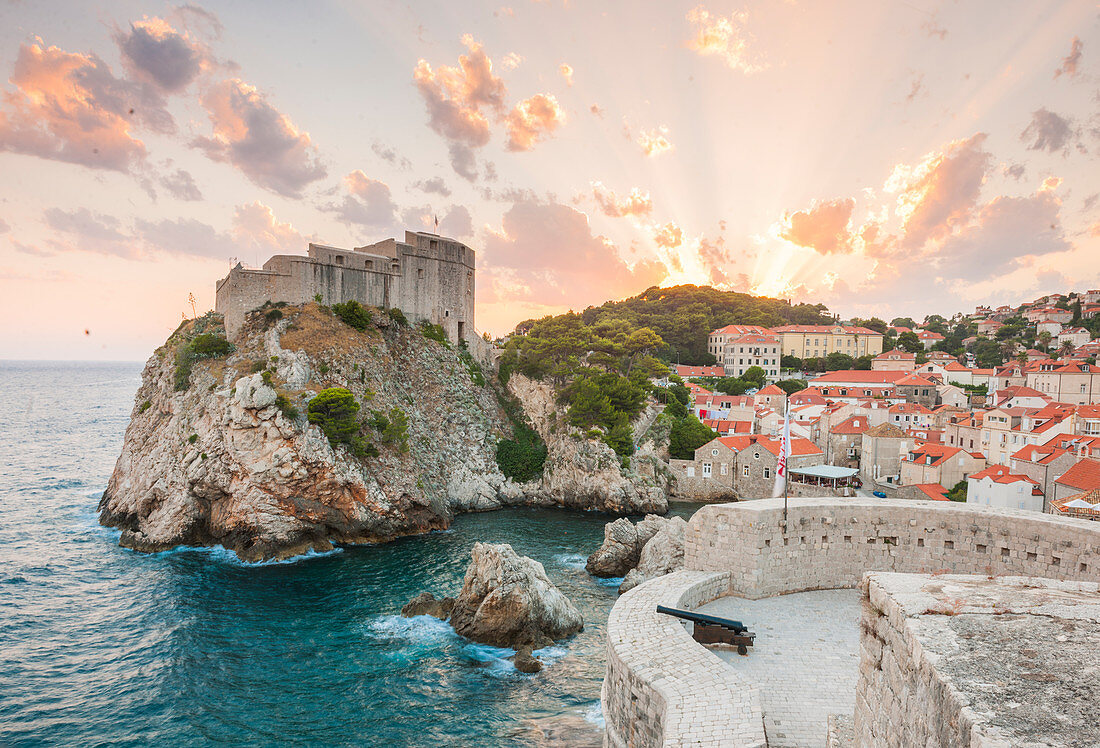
{"x":996,"y":487}
{"x":740,"y":354}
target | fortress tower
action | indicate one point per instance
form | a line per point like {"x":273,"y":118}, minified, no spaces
{"x":428,"y":277}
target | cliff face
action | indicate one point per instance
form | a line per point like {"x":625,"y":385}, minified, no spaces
{"x":228,"y":457}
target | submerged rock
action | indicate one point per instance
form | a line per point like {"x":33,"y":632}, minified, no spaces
{"x":662,"y":554}
{"x":508,"y":601}
{"x":425,"y":604}
{"x":526,"y":662}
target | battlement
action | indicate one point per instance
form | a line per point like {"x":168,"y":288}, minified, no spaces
{"x":427,"y":276}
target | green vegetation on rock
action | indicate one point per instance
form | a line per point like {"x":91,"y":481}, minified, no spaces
{"x":434,"y":332}
{"x":522,"y":457}
{"x":353,"y":314}
{"x":335,"y":410}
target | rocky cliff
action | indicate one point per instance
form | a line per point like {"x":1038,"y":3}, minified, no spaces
{"x":219,"y":450}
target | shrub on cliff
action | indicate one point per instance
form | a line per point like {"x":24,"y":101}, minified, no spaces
{"x":335,"y":411}
{"x":434,"y":332}
{"x":353,"y":314}
{"x":398,"y":316}
{"x":522,"y":457}
{"x":393,"y":428}
{"x":209,"y":345}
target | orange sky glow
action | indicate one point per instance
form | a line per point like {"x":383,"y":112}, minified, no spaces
{"x":883,"y":158}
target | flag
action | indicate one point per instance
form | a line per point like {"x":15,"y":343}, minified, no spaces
{"x":784,"y":456}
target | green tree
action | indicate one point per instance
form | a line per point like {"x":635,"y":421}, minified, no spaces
{"x":791,"y":386}
{"x":958,"y":492}
{"x":754,"y":375}
{"x":676,"y":409}
{"x":335,"y":410}
{"x":621,"y":439}
{"x":687,"y":435}
{"x":588,"y":406}
{"x":209,"y":345}
{"x":837,"y":361}
{"x":863,"y":363}
{"x":790,"y":362}
{"x":903,"y":322}
{"x":909,"y":342}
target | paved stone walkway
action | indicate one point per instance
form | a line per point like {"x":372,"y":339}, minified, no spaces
{"x":805,"y":661}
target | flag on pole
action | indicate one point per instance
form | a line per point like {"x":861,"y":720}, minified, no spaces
{"x":784,"y":456}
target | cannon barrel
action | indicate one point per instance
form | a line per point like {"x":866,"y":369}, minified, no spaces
{"x":736,"y":626}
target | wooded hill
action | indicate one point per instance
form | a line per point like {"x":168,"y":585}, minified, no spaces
{"x":684,"y":315}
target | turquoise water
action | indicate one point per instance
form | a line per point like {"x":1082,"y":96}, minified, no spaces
{"x":100,"y":645}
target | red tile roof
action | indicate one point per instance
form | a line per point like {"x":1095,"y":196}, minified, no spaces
{"x":700,"y":371}
{"x":938,"y":452}
{"x":859,"y":376}
{"x":771,"y":389}
{"x":823,"y":329}
{"x":799,"y":446}
{"x":914,"y":380}
{"x":934,"y":491}
{"x":1001,"y":474}
{"x":851,"y":425}
{"x":1084,"y":476}
{"x":740,"y":330}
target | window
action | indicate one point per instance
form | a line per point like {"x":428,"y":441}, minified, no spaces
{"x":339,"y":259}
{"x":691,"y":472}
{"x":745,"y":471}
{"x":368,"y":264}
{"x":767,"y":472}
{"x":714,"y":452}
{"x":706,"y":469}
{"x":420,"y":271}
{"x":725,"y":469}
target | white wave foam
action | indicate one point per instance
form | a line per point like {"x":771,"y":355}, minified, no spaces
{"x":594,"y":715}
{"x":570,"y":560}
{"x":224,"y":555}
{"x":415,"y":630}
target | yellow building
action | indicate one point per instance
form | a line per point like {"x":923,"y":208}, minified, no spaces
{"x":817,"y":341}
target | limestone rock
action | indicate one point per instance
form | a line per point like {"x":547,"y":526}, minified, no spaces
{"x":230,"y":458}
{"x":508,"y":601}
{"x":425,"y":604}
{"x":662,"y":554}
{"x":622,"y":546}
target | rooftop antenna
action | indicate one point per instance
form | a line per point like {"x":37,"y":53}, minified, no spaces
{"x":437,"y":223}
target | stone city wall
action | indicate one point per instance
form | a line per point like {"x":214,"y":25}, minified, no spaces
{"x":831,"y":543}
{"x":662,"y":688}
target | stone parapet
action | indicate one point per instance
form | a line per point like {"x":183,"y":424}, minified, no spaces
{"x":973,"y":662}
{"x":831,"y":543}
{"x":664,"y":689}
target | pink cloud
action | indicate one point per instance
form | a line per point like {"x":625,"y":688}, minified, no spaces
{"x":636,"y":203}
{"x":824,"y":227}
{"x":153,"y":51}
{"x":455,"y":96}
{"x":258,"y":139}
{"x":70,"y":107}
{"x":532,"y":120}
{"x":547,"y":251}
{"x":668,"y":236}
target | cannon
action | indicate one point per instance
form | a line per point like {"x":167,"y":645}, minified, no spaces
{"x":708,"y":629}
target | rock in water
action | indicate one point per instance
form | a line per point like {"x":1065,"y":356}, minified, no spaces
{"x":425,"y":604}
{"x":662,"y":554}
{"x":526,"y":662}
{"x":508,"y":601}
{"x":622,"y":546}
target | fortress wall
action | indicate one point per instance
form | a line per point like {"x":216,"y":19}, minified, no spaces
{"x":930,"y":646}
{"x":662,"y":688}
{"x":832,"y":543}
{"x":427,"y":277}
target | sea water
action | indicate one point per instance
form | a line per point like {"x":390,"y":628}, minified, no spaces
{"x":100,"y":645}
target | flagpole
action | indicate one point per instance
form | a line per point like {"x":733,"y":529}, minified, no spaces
{"x":787,"y":467}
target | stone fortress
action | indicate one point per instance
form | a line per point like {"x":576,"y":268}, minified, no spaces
{"x":977,"y":628}
{"x":428,"y":277}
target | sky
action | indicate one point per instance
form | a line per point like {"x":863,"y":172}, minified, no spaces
{"x":883,"y":158}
